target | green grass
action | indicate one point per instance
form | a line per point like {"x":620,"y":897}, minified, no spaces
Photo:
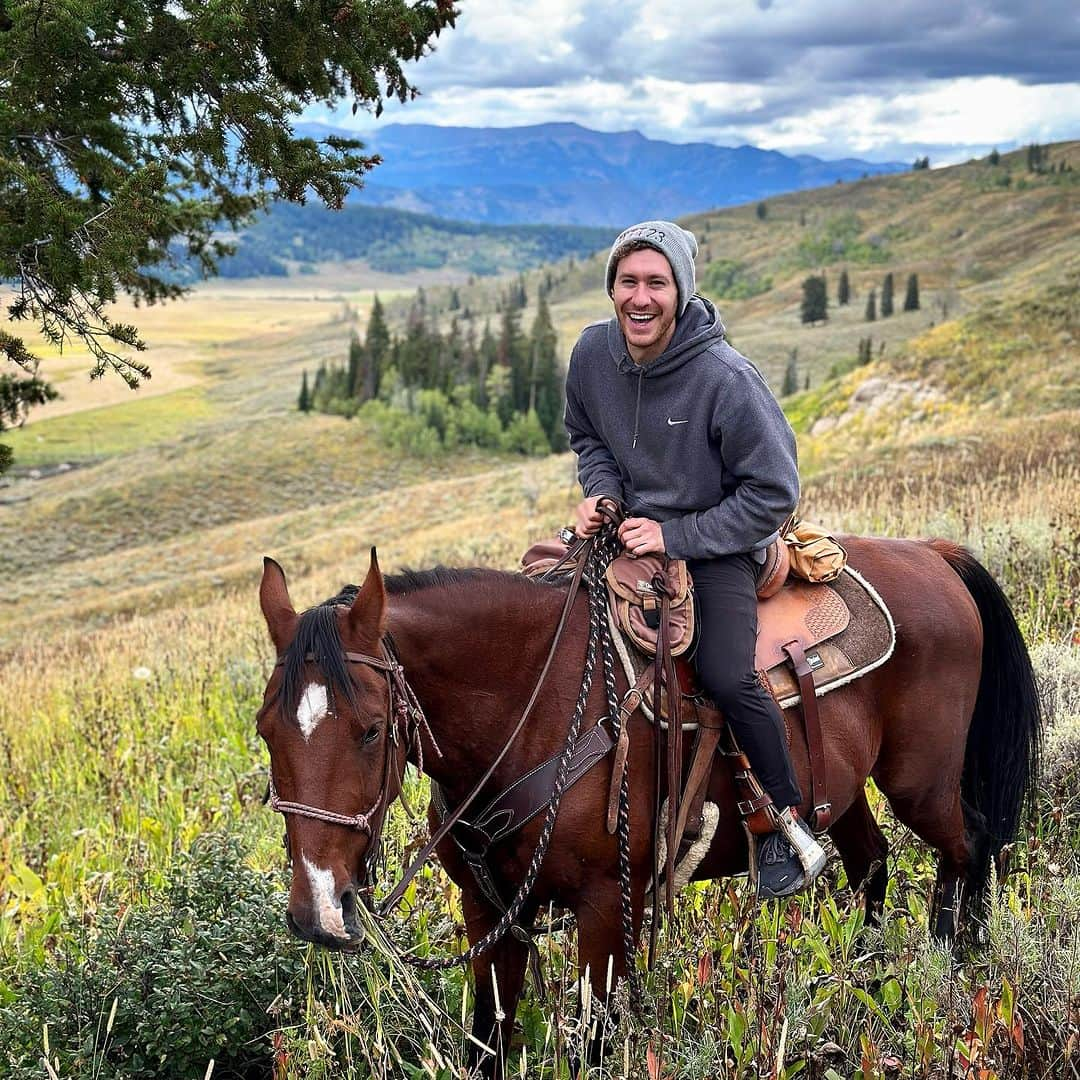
{"x":110,"y":431}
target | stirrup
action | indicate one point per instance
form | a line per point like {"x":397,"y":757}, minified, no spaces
{"x":797,"y":833}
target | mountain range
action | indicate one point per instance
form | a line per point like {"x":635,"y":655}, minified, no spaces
{"x":570,"y":175}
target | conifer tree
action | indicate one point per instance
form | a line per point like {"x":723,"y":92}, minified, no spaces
{"x":887,"y":296}
{"x":791,"y":374}
{"x":815,"y":302}
{"x":762,"y":211}
{"x":843,"y":290}
{"x":871,"y":306}
{"x":304,"y":403}
{"x":377,"y":347}
{"x":546,"y":395}
{"x":488,"y":357}
{"x":354,"y":380}
{"x":911,"y":296}
{"x":514,"y":356}
{"x":130,"y":132}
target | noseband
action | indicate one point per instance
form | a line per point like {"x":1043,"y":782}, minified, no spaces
{"x":405,"y":712}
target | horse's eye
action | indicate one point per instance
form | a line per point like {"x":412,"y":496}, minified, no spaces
{"x":371,"y":734}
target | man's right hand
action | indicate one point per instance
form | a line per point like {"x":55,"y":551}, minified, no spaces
{"x":587,"y":518}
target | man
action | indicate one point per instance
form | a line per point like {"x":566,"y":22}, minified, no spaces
{"x":666,"y":417}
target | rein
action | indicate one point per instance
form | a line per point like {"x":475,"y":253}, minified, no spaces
{"x":596,"y":552}
{"x":458,"y":812}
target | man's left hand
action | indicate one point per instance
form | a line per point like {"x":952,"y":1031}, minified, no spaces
{"x":642,"y":536}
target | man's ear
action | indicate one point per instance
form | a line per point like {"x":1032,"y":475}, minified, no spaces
{"x":276,"y":606}
{"x":367,"y":616}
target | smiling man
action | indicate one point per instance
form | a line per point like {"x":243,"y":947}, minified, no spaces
{"x":667,"y":418}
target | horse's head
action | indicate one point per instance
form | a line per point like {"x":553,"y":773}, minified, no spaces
{"x":333,"y":719}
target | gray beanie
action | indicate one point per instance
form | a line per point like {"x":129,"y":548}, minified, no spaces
{"x":676,"y":244}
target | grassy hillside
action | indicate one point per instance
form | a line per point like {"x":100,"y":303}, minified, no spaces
{"x":132,"y":658}
{"x":971,"y":232}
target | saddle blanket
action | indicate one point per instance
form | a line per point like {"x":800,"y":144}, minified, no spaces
{"x":844,"y":627}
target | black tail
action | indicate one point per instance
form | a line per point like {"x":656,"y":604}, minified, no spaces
{"x":1002,"y":758}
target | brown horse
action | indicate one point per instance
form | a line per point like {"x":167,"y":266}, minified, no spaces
{"x":948,"y":729}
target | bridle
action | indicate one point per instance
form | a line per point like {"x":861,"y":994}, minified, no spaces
{"x":406,"y":720}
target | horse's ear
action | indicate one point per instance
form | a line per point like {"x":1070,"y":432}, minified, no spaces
{"x":276,"y":606}
{"x":367,"y":616}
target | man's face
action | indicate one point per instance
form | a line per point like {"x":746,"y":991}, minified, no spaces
{"x":646,"y":300}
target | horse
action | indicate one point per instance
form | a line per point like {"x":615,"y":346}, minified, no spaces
{"x":949,"y":730}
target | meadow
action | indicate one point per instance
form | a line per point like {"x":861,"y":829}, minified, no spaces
{"x":142,"y":881}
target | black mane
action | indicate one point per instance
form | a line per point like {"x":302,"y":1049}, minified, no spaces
{"x":317,"y":635}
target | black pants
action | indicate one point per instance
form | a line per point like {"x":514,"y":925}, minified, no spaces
{"x":727,"y":607}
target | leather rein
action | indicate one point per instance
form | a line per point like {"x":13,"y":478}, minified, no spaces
{"x":407,"y":713}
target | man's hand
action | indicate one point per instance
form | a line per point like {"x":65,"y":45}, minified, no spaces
{"x":642,"y":536}
{"x":587,"y":518}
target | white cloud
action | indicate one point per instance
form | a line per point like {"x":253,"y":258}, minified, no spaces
{"x":830,"y":77}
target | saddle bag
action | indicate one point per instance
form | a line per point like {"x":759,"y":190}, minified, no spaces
{"x":813,"y":553}
{"x":636,"y":586}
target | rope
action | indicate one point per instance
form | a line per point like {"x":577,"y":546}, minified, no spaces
{"x":597,"y":595}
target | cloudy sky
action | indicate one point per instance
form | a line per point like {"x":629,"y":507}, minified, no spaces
{"x":876,"y":79}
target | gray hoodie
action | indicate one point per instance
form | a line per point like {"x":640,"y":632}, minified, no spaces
{"x":694,"y":439}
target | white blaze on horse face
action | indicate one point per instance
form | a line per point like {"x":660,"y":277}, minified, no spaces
{"x":324,"y":900}
{"x":312,"y":708}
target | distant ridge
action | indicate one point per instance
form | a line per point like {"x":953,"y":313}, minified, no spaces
{"x":290,"y":239}
{"x":571,"y":175}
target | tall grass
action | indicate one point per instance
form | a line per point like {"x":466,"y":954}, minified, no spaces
{"x":121,"y":747}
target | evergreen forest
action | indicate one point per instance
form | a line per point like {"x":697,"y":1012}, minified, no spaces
{"x":430,"y":389}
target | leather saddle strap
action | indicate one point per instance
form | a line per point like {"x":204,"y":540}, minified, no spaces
{"x":530,"y":794}
{"x":627,"y":707}
{"x":674,"y":747}
{"x":698,"y":779}
{"x":821,"y":815}
{"x":755,"y":804}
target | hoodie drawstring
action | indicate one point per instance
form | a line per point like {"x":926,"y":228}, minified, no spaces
{"x":637,"y":408}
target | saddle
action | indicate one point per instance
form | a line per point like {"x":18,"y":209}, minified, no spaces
{"x":808,"y":643}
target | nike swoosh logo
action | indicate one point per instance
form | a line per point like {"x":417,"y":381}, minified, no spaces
{"x":672,"y":423}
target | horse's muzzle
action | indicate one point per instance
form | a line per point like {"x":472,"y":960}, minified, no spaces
{"x":348,"y":936}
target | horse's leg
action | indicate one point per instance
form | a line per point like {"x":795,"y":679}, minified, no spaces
{"x":934,"y":814}
{"x":601,"y":955}
{"x":499,"y":975}
{"x":864,"y":852}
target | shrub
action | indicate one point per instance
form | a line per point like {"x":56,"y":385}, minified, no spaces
{"x":730,"y":280}
{"x":525,"y":435}
{"x":190,"y":976}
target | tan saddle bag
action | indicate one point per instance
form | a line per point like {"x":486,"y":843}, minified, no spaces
{"x":636,"y":586}
{"x":813,"y":553}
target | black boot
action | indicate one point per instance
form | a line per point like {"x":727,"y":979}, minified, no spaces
{"x":788,"y":859}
